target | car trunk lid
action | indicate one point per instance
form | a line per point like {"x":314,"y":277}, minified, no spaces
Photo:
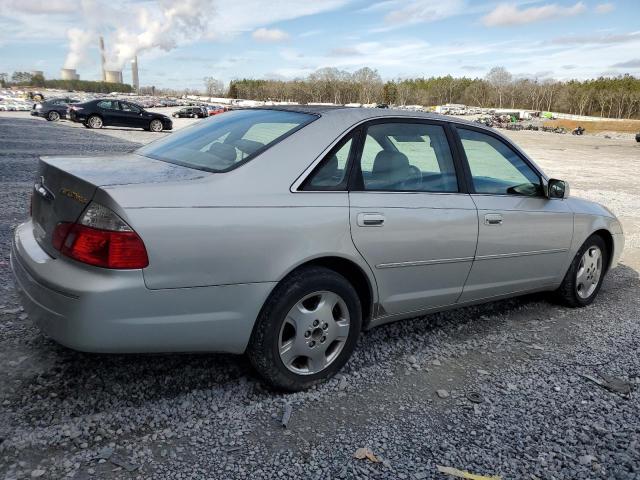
{"x":65,"y":186}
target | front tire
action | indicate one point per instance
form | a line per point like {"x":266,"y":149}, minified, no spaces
{"x":156,"y":125}
{"x":307,"y":329}
{"x":582,"y":282}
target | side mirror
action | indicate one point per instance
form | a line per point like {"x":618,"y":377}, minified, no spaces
{"x":557,"y":189}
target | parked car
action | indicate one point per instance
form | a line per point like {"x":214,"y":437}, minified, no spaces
{"x":53,"y":109}
{"x":191,"y":112}
{"x":285,"y":232}
{"x":215,"y":110}
{"x":108,"y":112}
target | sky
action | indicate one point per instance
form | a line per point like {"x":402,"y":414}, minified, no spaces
{"x":179,"y":42}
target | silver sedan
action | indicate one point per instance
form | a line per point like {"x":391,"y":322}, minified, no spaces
{"x":285,"y":232}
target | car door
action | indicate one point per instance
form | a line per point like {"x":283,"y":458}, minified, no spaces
{"x":524,"y":237}
{"x":110,"y":112}
{"x":131,"y":115}
{"x":410,"y":217}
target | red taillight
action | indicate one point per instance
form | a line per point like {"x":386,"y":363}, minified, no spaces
{"x":104,"y":248}
{"x":117,"y":246}
{"x":60,"y":234}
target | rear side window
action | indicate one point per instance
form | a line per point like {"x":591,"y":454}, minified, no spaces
{"x":413,"y":157}
{"x":332,"y":172}
{"x":226,"y":141}
{"x":108,"y":104}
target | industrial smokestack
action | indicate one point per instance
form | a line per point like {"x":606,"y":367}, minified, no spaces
{"x":103,"y":60}
{"x":134,"y":74}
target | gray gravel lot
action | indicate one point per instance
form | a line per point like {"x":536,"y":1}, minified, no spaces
{"x":409,"y":393}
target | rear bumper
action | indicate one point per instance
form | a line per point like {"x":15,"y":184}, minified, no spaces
{"x":99,"y":310}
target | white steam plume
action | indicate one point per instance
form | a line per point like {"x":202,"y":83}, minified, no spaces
{"x":78,"y":42}
{"x":164,"y":28}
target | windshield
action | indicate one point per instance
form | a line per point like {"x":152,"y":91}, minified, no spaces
{"x":226,"y":141}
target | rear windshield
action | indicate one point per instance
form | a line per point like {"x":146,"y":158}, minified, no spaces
{"x":226,"y":141}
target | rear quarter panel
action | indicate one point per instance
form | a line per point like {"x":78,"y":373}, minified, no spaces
{"x":191,"y":247}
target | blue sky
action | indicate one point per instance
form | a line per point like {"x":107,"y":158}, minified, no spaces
{"x":180,"y":42}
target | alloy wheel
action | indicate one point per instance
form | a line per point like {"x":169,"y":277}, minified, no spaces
{"x":156,"y":125}
{"x":54,"y":116}
{"x":95,"y":122}
{"x":314,"y":333}
{"x":589,"y":272}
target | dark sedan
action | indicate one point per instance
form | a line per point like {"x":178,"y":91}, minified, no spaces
{"x":191,"y":112}
{"x":107,"y":112}
{"x":53,"y":109}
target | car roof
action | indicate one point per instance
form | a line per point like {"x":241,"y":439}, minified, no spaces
{"x":363,"y":113}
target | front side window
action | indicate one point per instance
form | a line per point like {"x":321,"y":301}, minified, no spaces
{"x":332,"y":172}
{"x":496,"y":168}
{"x":407,"y":157}
{"x":226,"y":141}
{"x":128,"y":107}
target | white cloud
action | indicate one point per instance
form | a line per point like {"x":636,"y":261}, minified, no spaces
{"x":42,"y":7}
{"x":422,"y":11}
{"x":508,"y":14}
{"x":605,"y":8}
{"x":270,"y":35}
{"x":598,"y":39}
{"x":635,"y":64}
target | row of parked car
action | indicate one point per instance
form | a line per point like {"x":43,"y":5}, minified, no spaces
{"x":201,"y":111}
{"x":103,"y":112}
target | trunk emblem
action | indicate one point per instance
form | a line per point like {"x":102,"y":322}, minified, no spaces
{"x":43,"y":191}
{"x":73,"y":195}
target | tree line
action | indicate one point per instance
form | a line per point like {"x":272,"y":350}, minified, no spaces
{"x":613,"y":97}
{"x":26,"y":79}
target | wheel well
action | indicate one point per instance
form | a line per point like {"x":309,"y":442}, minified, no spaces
{"x":608,"y":241}
{"x":352,"y":272}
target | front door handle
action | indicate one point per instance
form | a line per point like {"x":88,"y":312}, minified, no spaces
{"x":370,"y":219}
{"x":493,"y":219}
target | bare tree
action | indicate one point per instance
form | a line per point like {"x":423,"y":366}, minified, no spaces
{"x":370,"y":84}
{"x":213,"y":86}
{"x":500,"y":79}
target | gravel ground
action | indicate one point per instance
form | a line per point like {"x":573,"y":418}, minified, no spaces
{"x":499,"y":389}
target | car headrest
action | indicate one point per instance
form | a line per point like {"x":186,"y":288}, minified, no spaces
{"x":225,"y":152}
{"x":247,"y":146}
{"x":329,"y":171}
{"x":393,"y":166}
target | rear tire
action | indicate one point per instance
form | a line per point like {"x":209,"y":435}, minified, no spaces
{"x":94,"y":121}
{"x":584,"y":278}
{"x":306,"y":330}
{"x":53,"y":116}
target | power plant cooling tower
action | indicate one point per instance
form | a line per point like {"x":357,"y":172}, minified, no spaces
{"x":113,"y":76}
{"x":69,"y":74}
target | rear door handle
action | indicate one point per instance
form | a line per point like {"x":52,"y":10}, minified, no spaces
{"x":370,"y":219}
{"x":493,"y":219}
